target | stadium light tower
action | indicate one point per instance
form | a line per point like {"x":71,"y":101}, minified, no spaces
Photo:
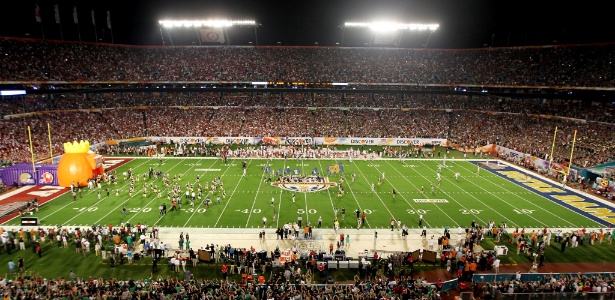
{"x":209,"y":31}
{"x":386,"y":32}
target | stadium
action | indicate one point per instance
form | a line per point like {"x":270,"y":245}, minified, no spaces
{"x":210,"y":165}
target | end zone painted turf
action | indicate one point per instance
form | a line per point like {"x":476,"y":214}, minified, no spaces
{"x":589,"y":206}
{"x":46,"y":193}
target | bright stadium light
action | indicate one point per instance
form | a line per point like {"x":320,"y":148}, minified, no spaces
{"x":12,"y":92}
{"x":205,"y":23}
{"x":385,"y":26}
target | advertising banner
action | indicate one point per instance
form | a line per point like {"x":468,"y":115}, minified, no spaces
{"x":538,"y":163}
{"x":379,"y":141}
{"x":296,"y":141}
{"x":22,"y":174}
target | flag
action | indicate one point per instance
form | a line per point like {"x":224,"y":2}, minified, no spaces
{"x":109,"y":19}
{"x":75,"y":18}
{"x":335,"y":168}
{"x":315,"y":171}
{"x":37,"y":14}
{"x":93,"y":18}
{"x":212,"y":35}
{"x":56,"y":9}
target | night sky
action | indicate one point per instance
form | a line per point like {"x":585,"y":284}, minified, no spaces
{"x":463,"y":23}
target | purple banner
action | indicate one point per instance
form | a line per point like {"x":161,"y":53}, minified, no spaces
{"x":22,"y":174}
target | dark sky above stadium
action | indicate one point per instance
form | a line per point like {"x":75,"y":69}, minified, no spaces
{"x":463,"y":23}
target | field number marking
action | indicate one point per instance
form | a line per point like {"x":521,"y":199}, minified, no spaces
{"x":417,"y":211}
{"x":247,"y":211}
{"x":88,"y":209}
{"x":470,"y":211}
{"x":192,"y":210}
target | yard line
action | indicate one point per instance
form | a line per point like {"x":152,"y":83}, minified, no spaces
{"x":137,"y":192}
{"x":277,"y":220}
{"x":404,"y":177}
{"x":193,"y":213}
{"x":277,"y":223}
{"x":156,"y":196}
{"x":439,"y":208}
{"x":475,"y":198}
{"x":233,"y":193}
{"x":260,"y":182}
{"x":353,"y":196}
{"x":307,"y":211}
{"x":533,"y":204}
{"x":369,"y":183}
{"x":401,"y":175}
{"x":95,"y":203}
{"x":328,"y":190}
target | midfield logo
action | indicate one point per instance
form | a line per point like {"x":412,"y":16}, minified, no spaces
{"x":304,"y":184}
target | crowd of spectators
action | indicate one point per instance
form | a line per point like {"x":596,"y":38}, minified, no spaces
{"x":118,"y":246}
{"x":592,"y":111}
{"x":525,"y":125}
{"x":467,"y":128}
{"x":66,"y":61}
{"x":172,"y":288}
{"x":378,"y":277}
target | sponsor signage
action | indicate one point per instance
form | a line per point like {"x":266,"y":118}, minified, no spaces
{"x":297,"y":141}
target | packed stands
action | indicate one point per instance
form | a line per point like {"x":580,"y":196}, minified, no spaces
{"x":66,"y":61}
{"x":523,"y":124}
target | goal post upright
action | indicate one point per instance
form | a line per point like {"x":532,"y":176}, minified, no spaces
{"x":552,"y":148}
{"x":571,"y":152}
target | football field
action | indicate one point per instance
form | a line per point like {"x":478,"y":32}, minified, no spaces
{"x":492,"y":193}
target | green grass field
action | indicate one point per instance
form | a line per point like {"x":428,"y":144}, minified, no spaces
{"x":480,"y":197}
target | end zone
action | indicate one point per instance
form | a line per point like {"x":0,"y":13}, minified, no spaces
{"x":44,"y":193}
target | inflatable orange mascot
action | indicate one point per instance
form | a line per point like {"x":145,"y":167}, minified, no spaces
{"x":76,"y":165}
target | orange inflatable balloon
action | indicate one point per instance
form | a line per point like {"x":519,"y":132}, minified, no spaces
{"x":76,"y":164}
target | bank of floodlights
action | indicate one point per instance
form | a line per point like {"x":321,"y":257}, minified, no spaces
{"x":205,"y":23}
{"x":384,"y":26}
